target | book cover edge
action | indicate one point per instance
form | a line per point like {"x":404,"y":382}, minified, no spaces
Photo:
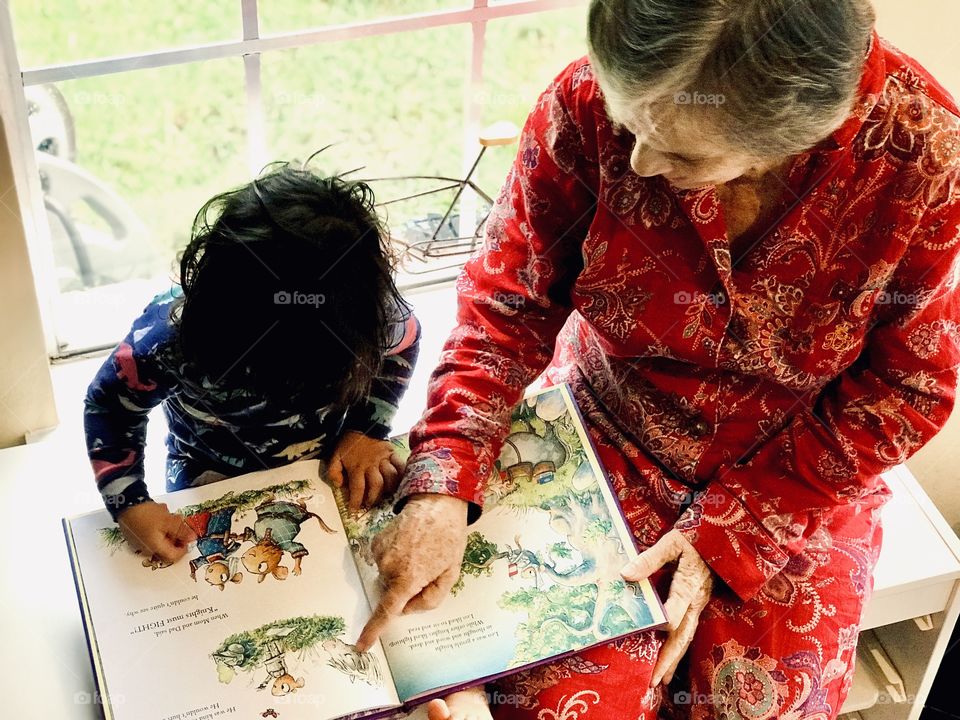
{"x":650,"y":591}
{"x":99,"y":680}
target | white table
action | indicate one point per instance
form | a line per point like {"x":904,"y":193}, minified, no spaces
{"x":46,"y":672}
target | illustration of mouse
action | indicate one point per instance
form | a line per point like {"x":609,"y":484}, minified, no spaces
{"x":153,"y":562}
{"x":275,"y":664}
{"x":220,"y":572}
{"x":215,"y":541}
{"x":286,"y":684}
{"x":275,"y":532}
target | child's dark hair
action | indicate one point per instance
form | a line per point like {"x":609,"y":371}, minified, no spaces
{"x":288,"y":288}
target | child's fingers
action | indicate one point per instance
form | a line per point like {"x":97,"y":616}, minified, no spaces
{"x":398,"y":462}
{"x":133,"y":536}
{"x":183,"y":535}
{"x":374,"y":483}
{"x":166,"y":550}
{"x":437,"y":710}
{"x":390,"y":475}
{"x":175,"y":537}
{"x":162,"y":541}
{"x":356,"y":484}
{"x":335,"y":470}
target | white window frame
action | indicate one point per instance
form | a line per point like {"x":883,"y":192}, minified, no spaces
{"x":251,"y":45}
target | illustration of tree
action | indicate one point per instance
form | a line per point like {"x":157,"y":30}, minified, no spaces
{"x":363,"y":527}
{"x":113,"y":539}
{"x":478,"y":559}
{"x":580,"y":605}
{"x":479,"y":555}
{"x":249,"y":499}
{"x":245,"y":650}
{"x":562,"y":618}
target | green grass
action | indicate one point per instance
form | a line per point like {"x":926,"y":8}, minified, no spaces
{"x":166,"y":139}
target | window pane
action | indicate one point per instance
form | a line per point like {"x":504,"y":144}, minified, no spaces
{"x":392,"y":104}
{"x":283,"y":15}
{"x":523,"y":54}
{"x":58,"y":31}
{"x":126,"y":161}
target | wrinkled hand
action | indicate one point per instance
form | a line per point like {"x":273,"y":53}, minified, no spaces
{"x":419,"y":555}
{"x":155,"y":531}
{"x":370,"y":469}
{"x":690,"y":590}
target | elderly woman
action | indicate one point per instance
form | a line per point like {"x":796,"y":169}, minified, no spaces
{"x":745,"y":218}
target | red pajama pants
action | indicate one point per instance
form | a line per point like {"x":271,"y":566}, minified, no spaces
{"x":787,"y":653}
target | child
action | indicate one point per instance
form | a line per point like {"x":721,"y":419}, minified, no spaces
{"x":286,"y":339}
{"x":469,"y":704}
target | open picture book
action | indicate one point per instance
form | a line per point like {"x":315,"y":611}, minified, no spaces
{"x":259,"y":618}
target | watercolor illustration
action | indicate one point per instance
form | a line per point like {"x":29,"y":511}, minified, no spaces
{"x":270,"y":652}
{"x":227,"y":546}
{"x":565,"y":578}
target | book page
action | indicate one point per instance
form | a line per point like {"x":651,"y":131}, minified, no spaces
{"x":257,"y":619}
{"x":541,"y":574}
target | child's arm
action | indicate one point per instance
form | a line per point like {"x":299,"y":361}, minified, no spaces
{"x":131,"y":382}
{"x":362,"y":461}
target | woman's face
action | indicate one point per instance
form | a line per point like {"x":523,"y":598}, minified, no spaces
{"x":681,"y":143}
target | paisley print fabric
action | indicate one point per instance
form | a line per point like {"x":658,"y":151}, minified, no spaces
{"x":749,"y":400}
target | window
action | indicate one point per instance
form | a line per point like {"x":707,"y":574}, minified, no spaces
{"x":137,"y":115}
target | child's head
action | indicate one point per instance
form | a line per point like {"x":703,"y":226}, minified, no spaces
{"x":288,"y":287}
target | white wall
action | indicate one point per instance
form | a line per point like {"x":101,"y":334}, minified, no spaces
{"x":26,"y":394}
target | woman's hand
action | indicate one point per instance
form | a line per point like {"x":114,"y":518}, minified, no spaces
{"x":369,"y":469}
{"x":419,"y":555}
{"x":155,"y":531}
{"x":690,"y":590}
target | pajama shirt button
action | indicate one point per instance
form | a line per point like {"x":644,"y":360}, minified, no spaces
{"x":700,"y":428}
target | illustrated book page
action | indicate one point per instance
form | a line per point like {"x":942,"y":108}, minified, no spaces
{"x":256,"y":621}
{"x":541,"y":575}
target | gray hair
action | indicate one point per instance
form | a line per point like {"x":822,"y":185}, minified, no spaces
{"x":782,"y":74}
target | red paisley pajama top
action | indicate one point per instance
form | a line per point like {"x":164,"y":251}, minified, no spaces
{"x":777,"y":385}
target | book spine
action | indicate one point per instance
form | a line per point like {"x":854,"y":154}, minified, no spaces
{"x":100,"y":690}
{"x":412,"y":703}
{"x":603,"y":477}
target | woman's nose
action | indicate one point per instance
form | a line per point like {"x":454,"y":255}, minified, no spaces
{"x":648,"y":163}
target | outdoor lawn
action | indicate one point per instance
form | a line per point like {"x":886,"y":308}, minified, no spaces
{"x":166,"y":139}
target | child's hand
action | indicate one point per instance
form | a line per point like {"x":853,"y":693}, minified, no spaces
{"x":371,"y":467}
{"x":469,"y":704}
{"x":151,"y":528}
